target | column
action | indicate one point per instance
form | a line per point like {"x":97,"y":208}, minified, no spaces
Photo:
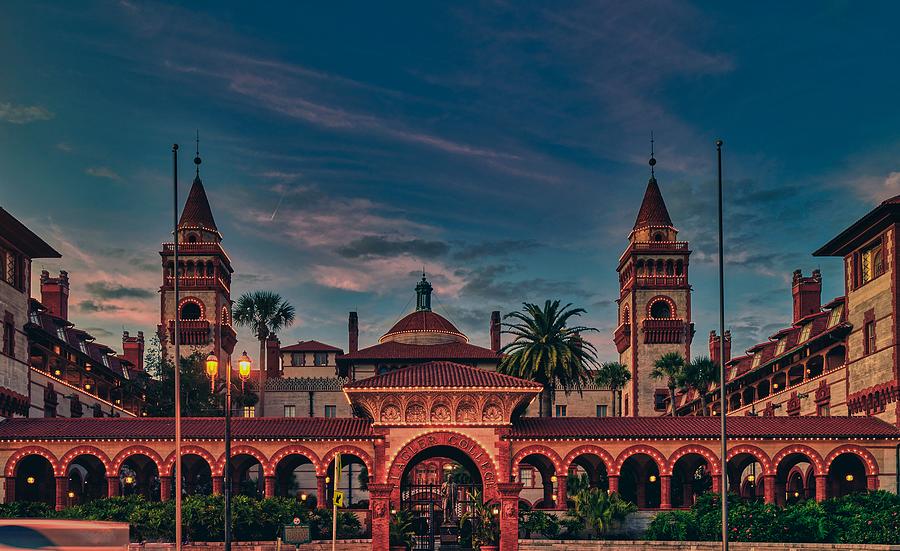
{"x":9,"y":494}
{"x":780,"y":491}
{"x":320,"y":492}
{"x":509,"y":515}
{"x":687,"y":495}
{"x":165,"y":488}
{"x":380,"y":511}
{"x":378,"y":466}
{"x":270,"y":486}
{"x":218,"y":485}
{"x":716,"y":484}
{"x":561,"y":492}
{"x":871,"y":482}
{"x":548,"y":491}
{"x":113,"y":488}
{"x":613,"y":483}
{"x":641,"y":493}
{"x":62,"y":490}
{"x":769,"y":488}
{"x":821,"y":487}
{"x":665,"y":492}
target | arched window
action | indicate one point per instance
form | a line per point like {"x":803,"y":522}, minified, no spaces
{"x":190,"y":311}
{"x":660,"y":310}
{"x":658,"y":236}
{"x":625,"y":317}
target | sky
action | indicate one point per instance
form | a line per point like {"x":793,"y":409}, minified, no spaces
{"x":502,"y":146}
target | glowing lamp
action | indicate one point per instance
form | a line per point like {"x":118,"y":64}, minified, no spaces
{"x":652,"y":478}
{"x":495,"y":511}
{"x":555,"y":497}
{"x":71,"y":494}
{"x":57,"y":372}
{"x":212,"y":366}
{"x":87,"y":367}
{"x":118,"y":401}
{"x":775,"y":386}
{"x":448,"y":467}
{"x":751,"y":478}
{"x":553,"y":479}
{"x":796,"y":494}
{"x":87,"y":386}
{"x":327,"y":480}
{"x":393,"y":511}
{"x":244,"y":365}
{"x":129,"y":479}
{"x":849,"y":477}
{"x":30,"y":480}
{"x":303,"y":497}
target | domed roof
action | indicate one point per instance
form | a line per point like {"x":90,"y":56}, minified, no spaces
{"x":423,"y":327}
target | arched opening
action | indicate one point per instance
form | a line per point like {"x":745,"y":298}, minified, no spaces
{"x":679,"y":267}
{"x":444,"y":499}
{"x":190,"y":311}
{"x":745,"y":473}
{"x":660,"y":310}
{"x":586,"y":471}
{"x":795,"y":375}
{"x":34,"y":480}
{"x":354,"y":481}
{"x":762,"y":390}
{"x":541,"y":482}
{"x":139,"y":475}
{"x":690,"y":478}
{"x":196,"y":478}
{"x":191,"y":269}
{"x":835,"y":357}
{"x":815,"y":366}
{"x":87,"y":479}
{"x":640,"y":269}
{"x":749,"y":395}
{"x":846,"y":475}
{"x":779,"y":382}
{"x":734,"y":401}
{"x":670,"y":268}
{"x":247,"y":476}
{"x":796,"y":489}
{"x":639,"y":481}
{"x":791,"y":479}
{"x":295,"y":476}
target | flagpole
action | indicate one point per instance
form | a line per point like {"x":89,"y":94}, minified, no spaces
{"x":724,"y":434}
{"x":177,"y":354}
{"x":334,"y":500}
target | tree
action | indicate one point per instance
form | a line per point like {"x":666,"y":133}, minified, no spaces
{"x":614,"y":375}
{"x":263,"y":312}
{"x":546,"y":350}
{"x":669,"y":367}
{"x":699,"y":375}
{"x":598,"y":508}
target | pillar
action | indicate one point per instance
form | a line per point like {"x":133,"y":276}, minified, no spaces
{"x":380,"y":512}
{"x":218,"y":483}
{"x":780,"y":491}
{"x":9,"y":493}
{"x":509,"y":514}
{"x":548,"y":491}
{"x":62,"y":490}
{"x":270,"y":486}
{"x":716,"y":484}
{"x":641,"y":493}
{"x":378,"y":465}
{"x":613,"y":484}
{"x":821,"y":487}
{"x":769,"y":488}
{"x":113,"y":487}
{"x":871,"y":482}
{"x":687,"y":494}
{"x":665,"y":492}
{"x":561,"y":490}
{"x":320,"y":492}
{"x":165,"y":488}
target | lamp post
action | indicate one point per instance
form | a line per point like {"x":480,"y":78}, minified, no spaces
{"x":176,"y":338}
{"x":244,"y":365}
{"x":722,"y":382}
{"x":212,"y":369}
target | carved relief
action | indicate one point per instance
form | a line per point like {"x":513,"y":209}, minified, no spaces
{"x":380,"y":510}
{"x":440,"y":413}
{"x":415,"y":413}
{"x":390,"y":412}
{"x":465,"y":412}
{"x":492,"y":412}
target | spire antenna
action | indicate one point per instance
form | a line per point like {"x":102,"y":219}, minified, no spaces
{"x":197,"y":159}
{"x":652,"y":161}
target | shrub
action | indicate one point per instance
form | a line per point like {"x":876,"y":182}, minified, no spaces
{"x":541,"y":523}
{"x":673,"y":526}
{"x":26,"y":509}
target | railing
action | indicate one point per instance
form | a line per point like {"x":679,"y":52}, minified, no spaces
{"x":660,"y":245}
{"x":664,"y":331}
{"x":188,"y":282}
{"x":662,"y":281}
{"x":194,"y":248}
{"x":192,"y":332}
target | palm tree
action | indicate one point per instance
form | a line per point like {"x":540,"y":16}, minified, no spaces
{"x":670,"y":367}
{"x":546,"y":350}
{"x":264,"y":312}
{"x":614,"y":375}
{"x":699,"y":375}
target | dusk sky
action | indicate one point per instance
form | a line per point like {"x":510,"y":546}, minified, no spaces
{"x":501,"y":145}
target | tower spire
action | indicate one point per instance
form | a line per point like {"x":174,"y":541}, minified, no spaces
{"x":652,"y":160}
{"x":197,"y":159}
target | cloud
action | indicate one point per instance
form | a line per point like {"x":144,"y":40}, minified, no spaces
{"x":64,"y":147}
{"x":504,"y":247}
{"x":380,"y":246}
{"x":876,"y":189}
{"x":23,"y":114}
{"x":107,"y":290}
{"x":97,"y":306}
{"x":99,"y":332}
{"x":492,"y":283}
{"x":102,"y":172}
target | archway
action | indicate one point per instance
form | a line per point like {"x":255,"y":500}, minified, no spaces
{"x":846,"y":475}
{"x":139,"y":475}
{"x":196,"y":477}
{"x":247,"y":476}
{"x":538,"y":472}
{"x":354,"y":481}
{"x":586,"y":466}
{"x":295,"y":476}
{"x":639,"y":481}
{"x":747,"y":468}
{"x":792,"y":473}
{"x":34,"y":480}
{"x":691,"y":477}
{"x":87,"y":479}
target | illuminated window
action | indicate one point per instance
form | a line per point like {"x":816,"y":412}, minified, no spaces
{"x":249,"y":411}
{"x":779,"y":349}
{"x":804,"y":333}
{"x":835,"y":317}
{"x":290,"y":411}
{"x":871,"y":262}
{"x":757,"y":357}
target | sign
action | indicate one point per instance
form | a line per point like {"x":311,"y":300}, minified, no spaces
{"x":296,"y":521}
{"x":296,"y":535}
{"x":465,"y":444}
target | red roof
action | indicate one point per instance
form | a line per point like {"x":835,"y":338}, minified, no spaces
{"x":653,"y":210}
{"x":311,"y":346}
{"x":196,"y":209}
{"x":399,"y":351}
{"x":192,"y":427}
{"x":442,"y":375}
{"x":24,"y":239}
{"x":702,"y":427}
{"x":423,"y":320}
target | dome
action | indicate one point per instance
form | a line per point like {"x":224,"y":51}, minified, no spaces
{"x":423,"y":327}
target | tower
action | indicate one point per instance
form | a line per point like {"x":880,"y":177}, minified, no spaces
{"x":654,"y":302}
{"x":204,"y":272}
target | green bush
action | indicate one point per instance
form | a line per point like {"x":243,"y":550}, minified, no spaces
{"x":26,"y":509}
{"x":673,"y":526}
{"x":539,"y":522}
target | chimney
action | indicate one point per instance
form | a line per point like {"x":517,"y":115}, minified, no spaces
{"x":495,"y":331}
{"x":133,"y":349}
{"x":353,"y":333}
{"x":807,"y":294}
{"x":55,"y":293}
{"x":714,"y":341}
{"x":273,"y":356}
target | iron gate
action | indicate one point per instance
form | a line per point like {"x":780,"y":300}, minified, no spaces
{"x":425,"y":502}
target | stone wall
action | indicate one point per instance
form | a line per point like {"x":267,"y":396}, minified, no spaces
{"x":343,"y":545}
{"x":611,"y":545}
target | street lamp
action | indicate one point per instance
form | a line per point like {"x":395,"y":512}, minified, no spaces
{"x":244,"y":365}
{"x":212,"y":369}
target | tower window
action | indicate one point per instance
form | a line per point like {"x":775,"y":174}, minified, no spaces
{"x":660,"y":310}
{"x":658,"y":236}
{"x":869,"y":336}
{"x":190,"y":311}
{"x":871,"y":262}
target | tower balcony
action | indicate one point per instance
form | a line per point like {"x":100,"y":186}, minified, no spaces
{"x":662,"y":281}
{"x":196,"y":282}
{"x":665,"y":331}
{"x":622,"y":337}
{"x":191,"y":332}
{"x":661,"y":246}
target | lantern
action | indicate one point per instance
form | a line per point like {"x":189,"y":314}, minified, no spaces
{"x":849,"y":477}
{"x":652,"y":478}
{"x":244,"y":365}
{"x":30,"y":480}
{"x":212,"y":366}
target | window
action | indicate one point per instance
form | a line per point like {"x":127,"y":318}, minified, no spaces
{"x":249,"y":411}
{"x":320,"y":358}
{"x":804,"y":333}
{"x":11,"y":268}
{"x":9,"y":337}
{"x":660,"y":310}
{"x":601,"y":410}
{"x":823,"y":410}
{"x":297,"y":359}
{"x":871,"y":262}
{"x":560,"y":411}
{"x":779,"y":349}
{"x":330,"y":411}
{"x":290,"y":411}
{"x":869,"y":337}
{"x":190,"y":311}
{"x":526,"y":477}
{"x":835,"y":315}
{"x":660,"y":399}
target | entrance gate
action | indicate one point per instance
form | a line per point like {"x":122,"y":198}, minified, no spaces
{"x":425,"y":503}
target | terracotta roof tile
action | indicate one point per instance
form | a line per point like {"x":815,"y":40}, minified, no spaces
{"x":442,"y":375}
{"x":311,"y":346}
{"x":423,"y":320}
{"x":399,"y":351}
{"x":196,"y":209}
{"x":653,"y":210}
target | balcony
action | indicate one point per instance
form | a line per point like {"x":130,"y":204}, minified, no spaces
{"x":664,"y":281}
{"x":195,"y":282}
{"x":660,"y":246}
{"x":192,"y":332}
{"x":193,"y":248}
{"x":622,"y":337}
{"x":664,"y":331}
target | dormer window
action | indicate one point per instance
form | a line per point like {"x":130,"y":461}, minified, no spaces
{"x":871,"y":262}
{"x":779,"y":348}
{"x":804,"y":333}
{"x":835,"y":317}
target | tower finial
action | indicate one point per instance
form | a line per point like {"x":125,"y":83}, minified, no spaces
{"x":197,"y":159}
{"x":652,"y":161}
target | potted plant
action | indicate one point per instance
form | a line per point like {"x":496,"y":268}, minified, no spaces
{"x":401,"y":531}
{"x":482,"y":518}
